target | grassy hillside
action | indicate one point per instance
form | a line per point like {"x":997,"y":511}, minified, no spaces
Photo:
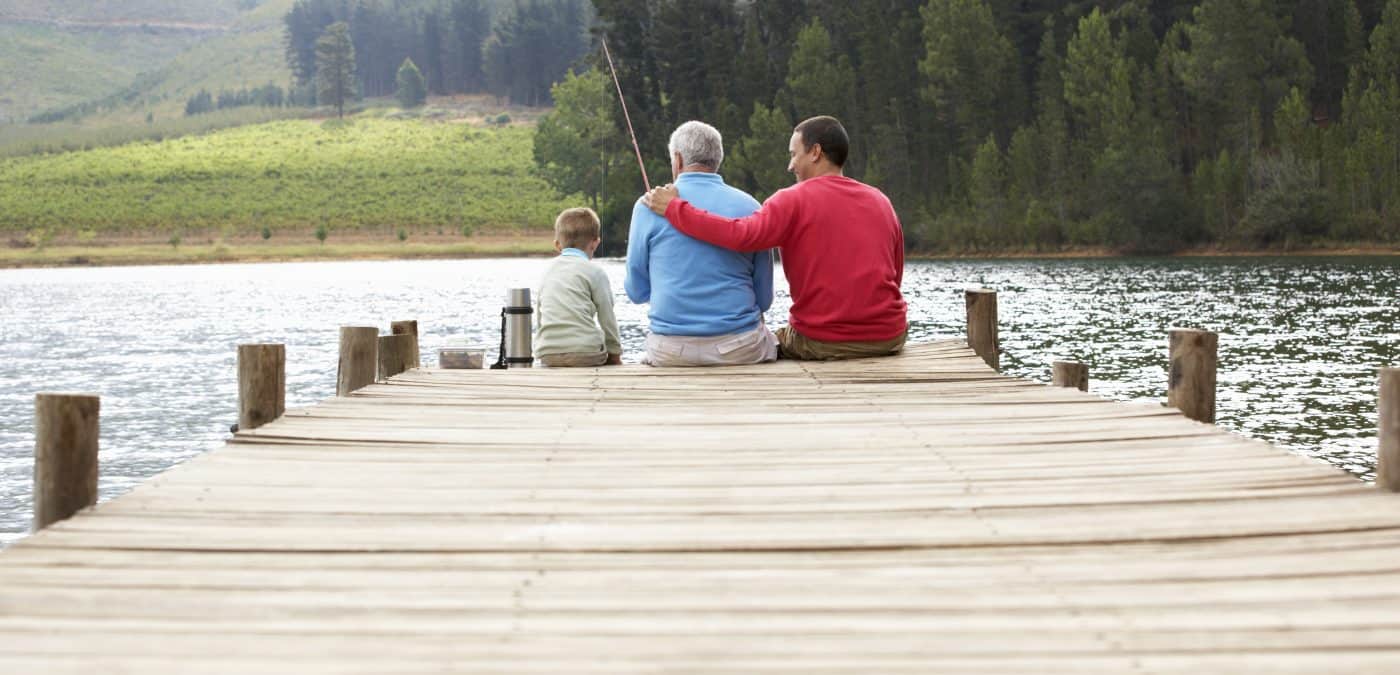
{"x":44,"y":67}
{"x":248,"y":55}
{"x":365,"y":176}
{"x":157,"y":53}
{"x":125,"y":11}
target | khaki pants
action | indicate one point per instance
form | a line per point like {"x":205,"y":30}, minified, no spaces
{"x":586,"y":360}
{"x":796,"y":346}
{"x":739,"y":349}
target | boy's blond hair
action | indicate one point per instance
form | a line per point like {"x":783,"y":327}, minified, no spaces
{"x":577,"y":228}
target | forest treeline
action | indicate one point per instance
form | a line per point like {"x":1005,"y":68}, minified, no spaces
{"x":1140,"y":125}
{"x":513,"y":50}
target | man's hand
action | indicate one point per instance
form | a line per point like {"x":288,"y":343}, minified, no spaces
{"x":614,"y":360}
{"x":660,"y":197}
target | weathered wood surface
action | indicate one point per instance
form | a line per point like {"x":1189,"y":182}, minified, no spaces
{"x":409,"y":328}
{"x":66,"y":434}
{"x":982,"y":329}
{"x":910,"y":514}
{"x":1191,"y":374}
{"x":262,"y":384}
{"x":1388,"y":429}
{"x":1070,"y":374}
{"x":359,"y":359}
{"x":396,"y":354}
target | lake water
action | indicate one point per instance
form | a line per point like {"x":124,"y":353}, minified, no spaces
{"x":1300,"y":341}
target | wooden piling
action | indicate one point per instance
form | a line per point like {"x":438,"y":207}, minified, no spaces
{"x":408,"y":328}
{"x":1071,"y":374}
{"x":395,"y":354}
{"x":359,"y":358}
{"x":65,"y":456}
{"x":982,"y":325}
{"x":262,"y":384}
{"x":1191,"y":381}
{"x":1388,"y":453}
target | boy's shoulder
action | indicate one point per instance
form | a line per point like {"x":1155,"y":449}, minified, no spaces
{"x":576,"y":266}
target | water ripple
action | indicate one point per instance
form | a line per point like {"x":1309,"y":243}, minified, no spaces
{"x":1300,"y":340}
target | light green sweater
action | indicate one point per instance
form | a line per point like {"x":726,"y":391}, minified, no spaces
{"x":572,"y":295}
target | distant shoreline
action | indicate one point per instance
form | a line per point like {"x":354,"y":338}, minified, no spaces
{"x":126,"y":253}
{"x":134,"y":253}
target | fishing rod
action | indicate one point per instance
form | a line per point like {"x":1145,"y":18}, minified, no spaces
{"x":627,"y":116}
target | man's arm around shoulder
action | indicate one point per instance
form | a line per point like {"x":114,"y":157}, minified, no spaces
{"x":766,"y":228}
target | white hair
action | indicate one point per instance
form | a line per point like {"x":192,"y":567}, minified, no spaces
{"x":699,"y":144}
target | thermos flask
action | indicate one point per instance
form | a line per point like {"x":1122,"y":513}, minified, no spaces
{"x":516,"y":331}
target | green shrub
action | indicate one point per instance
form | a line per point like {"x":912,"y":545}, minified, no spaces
{"x":1289,"y":206}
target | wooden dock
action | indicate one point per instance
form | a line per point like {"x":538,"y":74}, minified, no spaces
{"x":911,"y":514}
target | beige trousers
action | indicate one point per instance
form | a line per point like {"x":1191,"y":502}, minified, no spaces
{"x":738,"y":349}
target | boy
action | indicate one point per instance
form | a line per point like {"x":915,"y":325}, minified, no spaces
{"x":575,"y":291}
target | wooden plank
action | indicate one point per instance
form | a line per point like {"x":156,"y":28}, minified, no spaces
{"x":905,"y":514}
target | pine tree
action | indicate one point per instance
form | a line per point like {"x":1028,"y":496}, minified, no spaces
{"x":471,"y":24}
{"x":896,"y":144}
{"x":532,"y":48}
{"x":335,"y":67}
{"x":820,"y":80}
{"x":695,"y":45}
{"x":303,"y":24}
{"x":1331,"y":34}
{"x":970,"y":70}
{"x":1239,"y":66}
{"x":1098,"y":84}
{"x":432,"y":53}
{"x":1372,"y":105}
{"x":1052,"y":123}
{"x":987,"y":187}
{"x":759,"y":160}
{"x":412,"y":90}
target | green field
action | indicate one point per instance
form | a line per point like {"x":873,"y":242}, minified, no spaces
{"x":362,"y":177}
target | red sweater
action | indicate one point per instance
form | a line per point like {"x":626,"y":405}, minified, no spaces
{"x":843,"y":254}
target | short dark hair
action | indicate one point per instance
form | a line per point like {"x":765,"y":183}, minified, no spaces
{"x":827,"y":132}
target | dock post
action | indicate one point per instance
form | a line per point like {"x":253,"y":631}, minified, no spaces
{"x":1388,"y":453}
{"x":1191,"y":381}
{"x":394,"y":354}
{"x":1071,"y":374}
{"x":982,"y":325}
{"x":359,"y":358}
{"x":408,"y":328}
{"x":262,"y":384}
{"x":65,"y":456}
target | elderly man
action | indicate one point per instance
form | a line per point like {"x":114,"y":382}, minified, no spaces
{"x":843,"y":249}
{"x":707,"y":302}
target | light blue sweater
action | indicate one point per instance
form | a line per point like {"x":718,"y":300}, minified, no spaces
{"x":697,"y":288}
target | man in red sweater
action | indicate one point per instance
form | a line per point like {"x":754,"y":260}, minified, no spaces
{"x":842,"y":249}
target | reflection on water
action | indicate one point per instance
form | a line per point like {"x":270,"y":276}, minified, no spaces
{"x":1300,"y":340}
